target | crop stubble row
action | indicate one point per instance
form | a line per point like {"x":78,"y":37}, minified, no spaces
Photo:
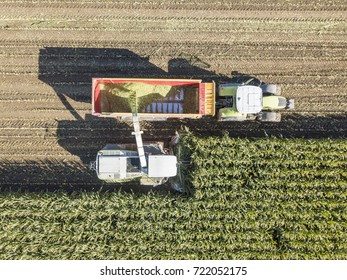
{"x":269,"y":5}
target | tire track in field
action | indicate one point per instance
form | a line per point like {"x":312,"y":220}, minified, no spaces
{"x":245,"y":5}
{"x":167,"y":24}
{"x":172,"y":34}
{"x":25,"y":45}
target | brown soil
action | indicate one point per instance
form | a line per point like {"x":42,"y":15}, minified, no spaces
{"x":50,"y":50}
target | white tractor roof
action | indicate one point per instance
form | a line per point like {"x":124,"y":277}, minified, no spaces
{"x":162,"y":166}
{"x":249,"y":99}
{"x":112,"y":165}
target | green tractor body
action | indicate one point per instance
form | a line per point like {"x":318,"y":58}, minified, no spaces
{"x":247,"y":102}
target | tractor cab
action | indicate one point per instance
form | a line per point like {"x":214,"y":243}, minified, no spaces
{"x":248,"y":99}
{"x":238,"y":102}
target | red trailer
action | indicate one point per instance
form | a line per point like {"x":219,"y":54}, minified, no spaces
{"x":156,"y":99}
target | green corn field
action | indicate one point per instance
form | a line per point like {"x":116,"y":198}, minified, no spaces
{"x":251,"y":199}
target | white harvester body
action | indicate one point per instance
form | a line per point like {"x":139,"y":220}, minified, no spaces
{"x":149,"y":161}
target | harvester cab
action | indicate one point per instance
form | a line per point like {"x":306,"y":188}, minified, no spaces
{"x":147,"y":161}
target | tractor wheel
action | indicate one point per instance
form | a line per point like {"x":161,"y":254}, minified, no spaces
{"x":270,"y":117}
{"x":271,"y":89}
